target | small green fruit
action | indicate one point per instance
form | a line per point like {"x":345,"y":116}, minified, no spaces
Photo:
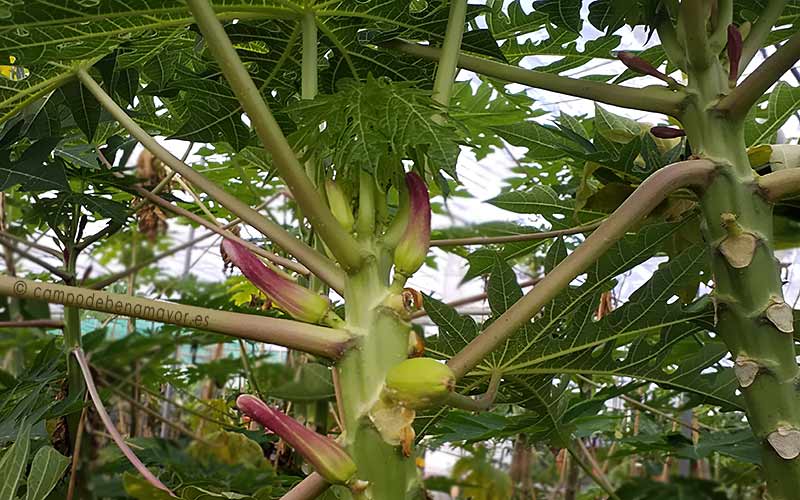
{"x":419,"y":382}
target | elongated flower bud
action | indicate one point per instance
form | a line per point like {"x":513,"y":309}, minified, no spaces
{"x":340,"y":205}
{"x":301,"y":303}
{"x":734,"y":53}
{"x":642,"y":67}
{"x":327,"y":457}
{"x":413,"y":247}
{"x":667,"y":132}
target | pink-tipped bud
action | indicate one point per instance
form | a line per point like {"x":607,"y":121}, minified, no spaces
{"x":328,"y":458}
{"x":413,"y":247}
{"x":301,"y":303}
{"x":734,"y":53}
{"x":639,"y":65}
{"x":667,"y":132}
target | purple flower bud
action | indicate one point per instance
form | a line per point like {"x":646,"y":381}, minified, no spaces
{"x":641,"y":66}
{"x":734,"y":52}
{"x":667,"y":132}
{"x":328,"y":458}
{"x":413,"y":247}
{"x":301,"y":303}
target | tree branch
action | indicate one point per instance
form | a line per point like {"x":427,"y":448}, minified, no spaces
{"x":655,"y":99}
{"x":487,"y":240}
{"x":110,"y":228}
{"x":446,"y":70}
{"x":593,"y":469}
{"x":760,"y":31}
{"x":320,"y":265}
{"x":738,"y":103}
{"x":111,"y":428}
{"x":692,"y":173}
{"x":321,"y":341}
{"x":76,"y":452}
{"x":343,"y":246}
{"x":669,"y":42}
{"x":178,"y":210}
{"x":33,"y":323}
{"x":104,"y":282}
{"x":781,"y":184}
{"x":722,"y":18}
{"x":309,"y":488}
{"x":64,"y":275}
{"x":310,"y":64}
{"x":178,"y":427}
{"x":692,"y":19}
{"x":52,"y":251}
{"x":473,"y":298}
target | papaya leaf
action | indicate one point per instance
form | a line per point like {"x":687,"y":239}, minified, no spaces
{"x":46,"y":470}
{"x":15,"y":462}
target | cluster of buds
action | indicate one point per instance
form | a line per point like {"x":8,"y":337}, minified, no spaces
{"x":413,"y":246}
{"x":324,"y":454}
{"x":300,"y":302}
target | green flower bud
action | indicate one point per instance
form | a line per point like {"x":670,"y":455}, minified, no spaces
{"x":419,"y":382}
{"x":300,"y":302}
{"x":328,"y":458}
{"x":340,"y":205}
{"x":413,"y":247}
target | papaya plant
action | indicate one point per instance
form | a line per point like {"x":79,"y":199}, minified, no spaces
{"x":354,"y":108}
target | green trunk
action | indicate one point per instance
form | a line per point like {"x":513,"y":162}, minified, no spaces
{"x":383,"y":343}
{"x":748,"y":296}
{"x":72,"y":339}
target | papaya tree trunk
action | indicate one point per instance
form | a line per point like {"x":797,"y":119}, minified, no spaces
{"x":382,"y":343}
{"x":752,"y":317}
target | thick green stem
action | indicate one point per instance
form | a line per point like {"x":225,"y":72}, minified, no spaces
{"x":670,"y":43}
{"x":382,"y":343}
{"x":760,"y":31}
{"x":72,"y":340}
{"x":693,"y":17}
{"x":693,"y":173}
{"x":365,"y":224}
{"x":341,"y":243}
{"x":655,"y":99}
{"x":753,"y":319}
{"x":781,"y":184}
{"x":448,"y":61}
{"x":722,"y":17}
{"x":309,"y":69}
{"x":743,"y":97}
{"x":316,"y":262}
{"x":318,"y":340}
